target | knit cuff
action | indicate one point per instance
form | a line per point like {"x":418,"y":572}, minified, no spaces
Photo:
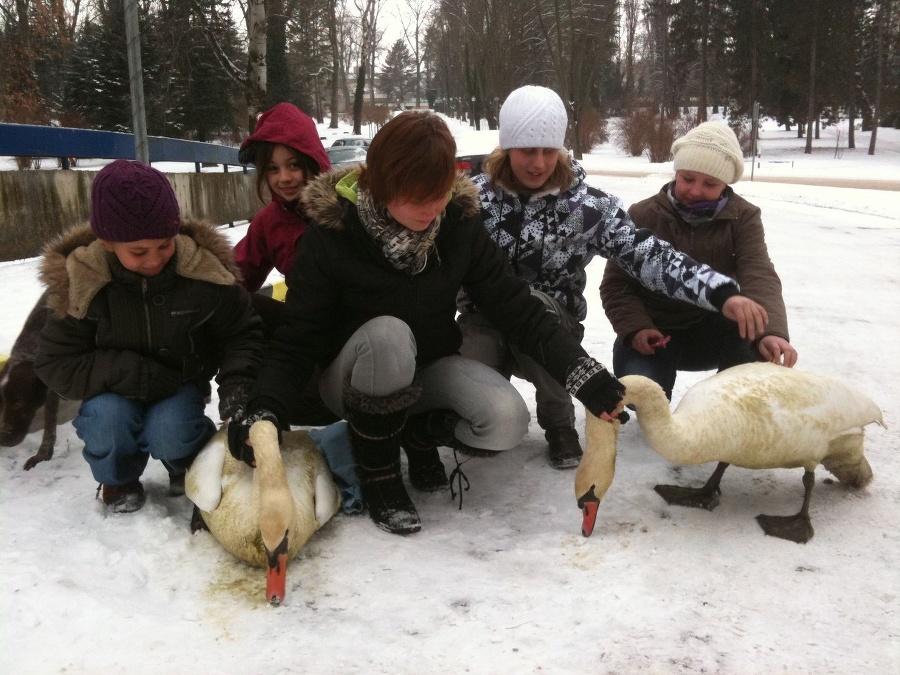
{"x":718,"y":297}
{"x":581,"y":371}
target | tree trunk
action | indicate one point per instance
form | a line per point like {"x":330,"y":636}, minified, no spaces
{"x":358,"y":96}
{"x":884,"y":17}
{"x":335,"y":63}
{"x":811,"y":104}
{"x":704,"y":62}
{"x":256,"y":61}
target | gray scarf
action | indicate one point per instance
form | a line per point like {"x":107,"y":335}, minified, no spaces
{"x":406,"y":249}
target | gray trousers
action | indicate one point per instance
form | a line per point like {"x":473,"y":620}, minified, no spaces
{"x":380,"y":359}
{"x":482,"y":342}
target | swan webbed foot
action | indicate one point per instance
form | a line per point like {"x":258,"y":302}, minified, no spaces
{"x":197,"y":522}
{"x":796,"y":528}
{"x":706,"y":497}
{"x":697,"y":498}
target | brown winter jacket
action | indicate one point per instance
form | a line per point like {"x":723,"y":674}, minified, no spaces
{"x":112,"y":330}
{"x":733,"y":244}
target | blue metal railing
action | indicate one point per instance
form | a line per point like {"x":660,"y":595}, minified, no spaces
{"x":29,"y":140}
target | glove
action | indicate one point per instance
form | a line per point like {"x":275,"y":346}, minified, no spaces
{"x":601,"y":392}
{"x":232,"y":398}
{"x":239,"y":434}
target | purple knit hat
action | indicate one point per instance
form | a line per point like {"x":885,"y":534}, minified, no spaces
{"x":131,"y":201}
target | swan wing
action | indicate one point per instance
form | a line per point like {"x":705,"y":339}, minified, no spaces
{"x":328,"y":499}
{"x":203,"y":481}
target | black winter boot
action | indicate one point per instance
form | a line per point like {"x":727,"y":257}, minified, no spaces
{"x":563,"y":447}
{"x":375,"y":425}
{"x":426,"y":471}
{"x":435,"y":428}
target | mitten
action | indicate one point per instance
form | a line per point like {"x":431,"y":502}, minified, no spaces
{"x":592,"y":384}
{"x":239,"y":434}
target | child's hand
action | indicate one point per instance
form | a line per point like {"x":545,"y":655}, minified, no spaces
{"x":648,"y":340}
{"x":239,"y":434}
{"x":777,"y":350}
{"x":749,"y":315}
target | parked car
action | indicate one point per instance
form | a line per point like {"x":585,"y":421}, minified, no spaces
{"x":344,"y":141}
{"x":470,"y":164}
{"x":346,"y":155}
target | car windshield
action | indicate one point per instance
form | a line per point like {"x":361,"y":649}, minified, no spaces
{"x":351,"y":141}
{"x":344,"y":154}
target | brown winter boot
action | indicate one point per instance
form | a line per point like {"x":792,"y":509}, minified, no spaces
{"x":124,"y":498}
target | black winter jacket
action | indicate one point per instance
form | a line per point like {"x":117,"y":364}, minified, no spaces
{"x":142,"y":337}
{"x":341,"y":279}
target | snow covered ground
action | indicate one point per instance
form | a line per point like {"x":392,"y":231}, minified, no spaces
{"x":508,"y":584}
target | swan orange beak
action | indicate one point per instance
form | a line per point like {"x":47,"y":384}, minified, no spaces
{"x":589,"y":505}
{"x":276,"y":572}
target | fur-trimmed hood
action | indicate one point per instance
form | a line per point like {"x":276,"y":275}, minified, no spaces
{"x":75,"y":265}
{"x":323,"y":205}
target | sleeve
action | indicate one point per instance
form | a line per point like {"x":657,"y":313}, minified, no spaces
{"x":252,"y":255}
{"x":508,"y":303}
{"x":756,"y":272}
{"x":237,"y":331}
{"x":654,"y":262}
{"x":71,"y":365}
{"x":306,"y":331}
{"x":622,"y":304}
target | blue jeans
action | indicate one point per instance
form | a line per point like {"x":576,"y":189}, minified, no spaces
{"x":486,"y":344}
{"x":712,"y":343}
{"x":380,"y":359}
{"x":121,"y":434}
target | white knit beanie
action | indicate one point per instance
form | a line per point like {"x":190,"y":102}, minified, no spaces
{"x":533,"y":117}
{"x":710,"y":148}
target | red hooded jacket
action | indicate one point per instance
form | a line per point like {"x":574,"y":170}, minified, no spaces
{"x":271,"y":240}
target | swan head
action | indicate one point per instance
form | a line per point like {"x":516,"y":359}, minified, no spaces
{"x":597,"y":468}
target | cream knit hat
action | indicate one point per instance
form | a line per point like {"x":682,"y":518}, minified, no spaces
{"x":710,"y":148}
{"x":533,"y":117}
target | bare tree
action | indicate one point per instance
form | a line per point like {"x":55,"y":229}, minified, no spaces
{"x":576,"y":37}
{"x":368,"y":29}
{"x":630,"y":17}
{"x":414,"y":33}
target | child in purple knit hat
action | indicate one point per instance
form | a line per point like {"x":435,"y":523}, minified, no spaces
{"x":146,"y":310}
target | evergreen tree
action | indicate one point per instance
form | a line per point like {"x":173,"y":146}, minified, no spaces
{"x":397,"y":79}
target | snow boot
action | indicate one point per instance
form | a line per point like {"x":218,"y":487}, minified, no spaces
{"x":564,"y":450}
{"x":123,"y":498}
{"x":426,"y":471}
{"x":375,"y":423}
{"x":436,"y":428}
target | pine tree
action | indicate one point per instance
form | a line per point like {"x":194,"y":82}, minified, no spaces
{"x":397,"y":78}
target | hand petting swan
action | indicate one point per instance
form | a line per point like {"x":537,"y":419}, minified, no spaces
{"x":756,"y":416}
{"x":264,"y":516}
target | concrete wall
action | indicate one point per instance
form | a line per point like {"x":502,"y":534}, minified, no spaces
{"x":35,"y":206}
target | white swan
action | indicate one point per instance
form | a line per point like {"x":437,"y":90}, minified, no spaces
{"x":757,"y":416}
{"x":264,"y":516}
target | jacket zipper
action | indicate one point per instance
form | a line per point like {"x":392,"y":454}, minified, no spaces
{"x":147,"y":316}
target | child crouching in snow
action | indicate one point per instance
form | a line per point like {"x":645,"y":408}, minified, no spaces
{"x":146,"y":310}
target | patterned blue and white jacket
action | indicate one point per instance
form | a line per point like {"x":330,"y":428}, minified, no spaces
{"x":550,"y":238}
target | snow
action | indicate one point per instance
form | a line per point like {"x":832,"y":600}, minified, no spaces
{"x":507,"y":583}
